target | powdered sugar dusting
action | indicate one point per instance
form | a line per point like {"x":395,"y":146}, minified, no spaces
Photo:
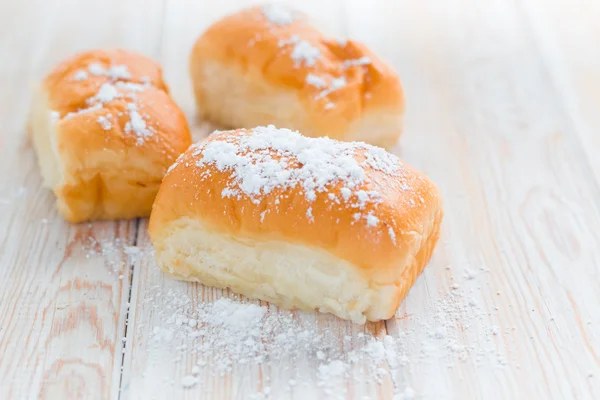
{"x":336,"y":84}
{"x":118,"y":72}
{"x":278,"y":14}
{"x":136,"y":124}
{"x":96,"y":69}
{"x":392,"y":234}
{"x":305,"y":53}
{"x":107,"y":93}
{"x":80,"y":75}
{"x":269,"y":158}
{"x":230,"y":335}
{"x":358,"y":61}
{"x":117,"y":88}
{"x":113,"y":72}
{"x":316,"y":81}
{"x":372,"y":220}
{"x":104,"y":123}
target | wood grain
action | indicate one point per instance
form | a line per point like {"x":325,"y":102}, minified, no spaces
{"x":502,"y":114}
{"x":63,"y":288}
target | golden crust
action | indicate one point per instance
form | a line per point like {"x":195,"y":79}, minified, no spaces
{"x":105,"y":121}
{"x":351,"y":82}
{"x":69,"y":94}
{"x":388,"y":237}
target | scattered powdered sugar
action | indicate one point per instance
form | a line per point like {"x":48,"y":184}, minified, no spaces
{"x":118,"y":72}
{"x":358,"y":61}
{"x":277,"y":14}
{"x":331,"y":376}
{"x":316,"y":81}
{"x":292,"y":40}
{"x":336,"y":84}
{"x":188,"y":381}
{"x":93,"y":108}
{"x":408,"y":394}
{"x":80,"y":75}
{"x":132,"y":87}
{"x":105,"y":122}
{"x":111,"y":250}
{"x":227,"y":335}
{"x":96,"y":69}
{"x":113,"y":72}
{"x":305,"y":53}
{"x":269,"y":158}
{"x":106,"y":94}
{"x":381,"y":160}
{"x":110,"y":91}
{"x":392,"y":234}
{"x":372,"y":220}
{"x":133,"y":253}
{"x":137,"y":124}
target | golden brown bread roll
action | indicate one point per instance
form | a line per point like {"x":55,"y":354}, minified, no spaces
{"x":105,"y":132}
{"x":268,"y":65}
{"x":312,"y":223}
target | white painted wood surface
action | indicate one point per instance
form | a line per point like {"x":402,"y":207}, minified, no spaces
{"x":503,"y":113}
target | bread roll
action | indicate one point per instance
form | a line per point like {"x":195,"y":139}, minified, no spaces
{"x":309,"y":223}
{"x":268,"y":65}
{"x":105,"y":132}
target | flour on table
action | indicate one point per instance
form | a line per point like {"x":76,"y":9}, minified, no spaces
{"x":223,"y":335}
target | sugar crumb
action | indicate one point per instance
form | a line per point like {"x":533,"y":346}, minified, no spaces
{"x":358,"y":61}
{"x":372,"y":220}
{"x":305,"y":53}
{"x":336,"y":84}
{"x":104,"y":123}
{"x":316,"y":81}
{"x":188,"y":381}
{"x":107,"y":93}
{"x":392,"y":235}
{"x":96,"y":69}
{"x":80,"y":75}
{"x":277,"y":14}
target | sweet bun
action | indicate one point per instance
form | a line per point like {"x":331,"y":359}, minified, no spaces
{"x":105,"y":132}
{"x":269,"y":65}
{"x":309,"y":223}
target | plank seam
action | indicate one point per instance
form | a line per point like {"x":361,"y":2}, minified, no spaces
{"x":129,"y":292}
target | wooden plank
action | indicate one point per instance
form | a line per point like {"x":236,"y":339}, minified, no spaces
{"x":486,"y":122}
{"x":63,"y":287}
{"x":573,"y":61}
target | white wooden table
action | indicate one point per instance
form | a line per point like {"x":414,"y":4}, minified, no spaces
{"x":503,"y":113}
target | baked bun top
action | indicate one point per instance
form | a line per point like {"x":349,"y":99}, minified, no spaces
{"x":354,"y":200}
{"x":115,"y":100}
{"x":342,"y":77}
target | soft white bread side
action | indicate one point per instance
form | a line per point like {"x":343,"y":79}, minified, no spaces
{"x":268,"y":65}
{"x":309,"y":223}
{"x":105,"y":132}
